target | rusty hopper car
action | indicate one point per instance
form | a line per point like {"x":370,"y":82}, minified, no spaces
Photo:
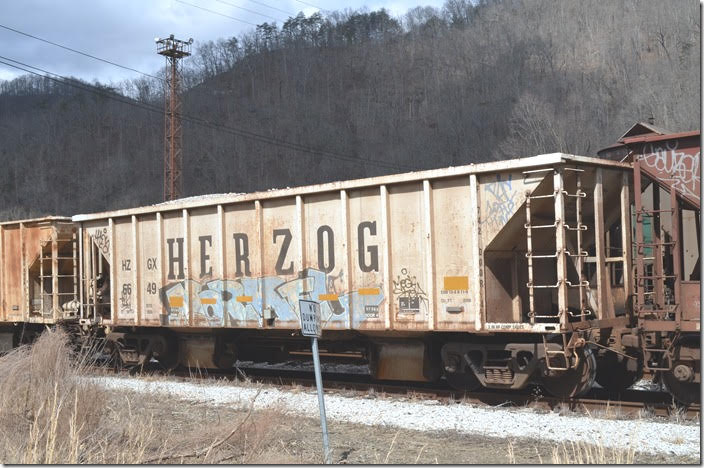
{"x":666,"y":265}
{"x":39,"y":282}
{"x":493,"y":273}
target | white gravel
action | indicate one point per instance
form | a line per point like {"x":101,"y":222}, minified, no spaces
{"x":431,"y":415}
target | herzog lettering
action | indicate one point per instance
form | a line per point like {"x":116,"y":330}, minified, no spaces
{"x":241,"y":254}
{"x":286,"y":234}
{"x":367,"y":252}
{"x":373,"y":250}
{"x":205,"y":257}
{"x":323,"y":232}
{"x":175,"y":258}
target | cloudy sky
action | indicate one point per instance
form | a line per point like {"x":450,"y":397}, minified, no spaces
{"x":123,"y":31}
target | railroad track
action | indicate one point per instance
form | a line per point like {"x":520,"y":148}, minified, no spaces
{"x":627,"y":404}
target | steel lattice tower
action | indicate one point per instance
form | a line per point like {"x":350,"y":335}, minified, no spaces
{"x":174,"y":50}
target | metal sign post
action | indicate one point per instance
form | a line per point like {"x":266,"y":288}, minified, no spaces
{"x":310,"y":326}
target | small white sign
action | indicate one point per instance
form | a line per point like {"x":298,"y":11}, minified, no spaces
{"x":310,"y":318}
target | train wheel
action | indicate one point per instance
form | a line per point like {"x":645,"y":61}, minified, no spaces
{"x":685,"y":393}
{"x":680,"y":379}
{"x":575,"y":381}
{"x":613,"y":374}
{"x":168,"y":358}
{"x":463,"y":381}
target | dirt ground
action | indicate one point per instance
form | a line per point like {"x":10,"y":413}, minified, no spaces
{"x":357,"y":444}
{"x":280,"y":438}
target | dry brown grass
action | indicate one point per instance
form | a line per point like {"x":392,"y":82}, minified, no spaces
{"x":44,"y":409}
{"x":580,"y":453}
{"x":50,"y":413}
{"x":573,"y":453}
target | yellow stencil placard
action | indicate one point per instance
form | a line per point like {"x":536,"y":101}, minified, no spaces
{"x":244,"y":298}
{"x":327,"y":297}
{"x":368,"y":291}
{"x":456,"y":283}
{"x":208,"y":300}
{"x":176,"y":301}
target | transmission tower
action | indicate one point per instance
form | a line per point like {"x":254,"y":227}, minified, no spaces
{"x":174,"y":50}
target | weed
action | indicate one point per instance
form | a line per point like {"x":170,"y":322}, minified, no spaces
{"x":51,"y":413}
{"x":511,"y":455}
{"x":592,"y":454}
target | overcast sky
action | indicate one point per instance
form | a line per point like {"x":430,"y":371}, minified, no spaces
{"x":123,"y":31}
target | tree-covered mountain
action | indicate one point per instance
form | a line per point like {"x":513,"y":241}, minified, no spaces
{"x":356,"y":94}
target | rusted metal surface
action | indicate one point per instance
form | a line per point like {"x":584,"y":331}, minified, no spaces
{"x":412,"y":252}
{"x":691,"y":300}
{"x":674,"y":159}
{"x":174,"y":50}
{"x":400,"y":361}
{"x":666,"y":188}
{"x":35,"y":281}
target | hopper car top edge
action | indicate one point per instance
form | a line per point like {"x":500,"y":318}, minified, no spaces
{"x":453,"y":171}
{"x":43,"y":219}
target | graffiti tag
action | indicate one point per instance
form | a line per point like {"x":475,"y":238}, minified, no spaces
{"x":500,"y":203}
{"x":244,"y":300}
{"x":126,"y":299}
{"x":102,"y":241}
{"x":681,"y":169}
{"x":410,"y":294}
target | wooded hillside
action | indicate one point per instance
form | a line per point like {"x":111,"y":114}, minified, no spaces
{"x":356,"y":94}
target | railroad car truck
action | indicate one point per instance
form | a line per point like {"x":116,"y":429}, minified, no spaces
{"x":496,"y":274}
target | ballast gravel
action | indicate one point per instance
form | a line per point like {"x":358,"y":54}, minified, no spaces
{"x":644,"y":436}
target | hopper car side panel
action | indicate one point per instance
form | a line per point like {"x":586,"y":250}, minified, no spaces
{"x":435,"y":251}
{"x":12,"y":274}
{"x":275,"y":251}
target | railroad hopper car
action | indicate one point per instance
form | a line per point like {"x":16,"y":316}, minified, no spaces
{"x":39,"y":281}
{"x":666,"y":268}
{"x":496,"y":274}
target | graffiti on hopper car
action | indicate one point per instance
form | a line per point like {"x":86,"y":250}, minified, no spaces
{"x":126,"y":300}
{"x":410,"y":295}
{"x":239,"y":301}
{"x":500,"y":202}
{"x":681,"y":168}
{"x":246,"y":300}
{"x":102,"y":240}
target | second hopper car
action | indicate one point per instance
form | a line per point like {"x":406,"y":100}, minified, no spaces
{"x":663,"y":336}
{"x":495,"y":274}
{"x":39,"y":282}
